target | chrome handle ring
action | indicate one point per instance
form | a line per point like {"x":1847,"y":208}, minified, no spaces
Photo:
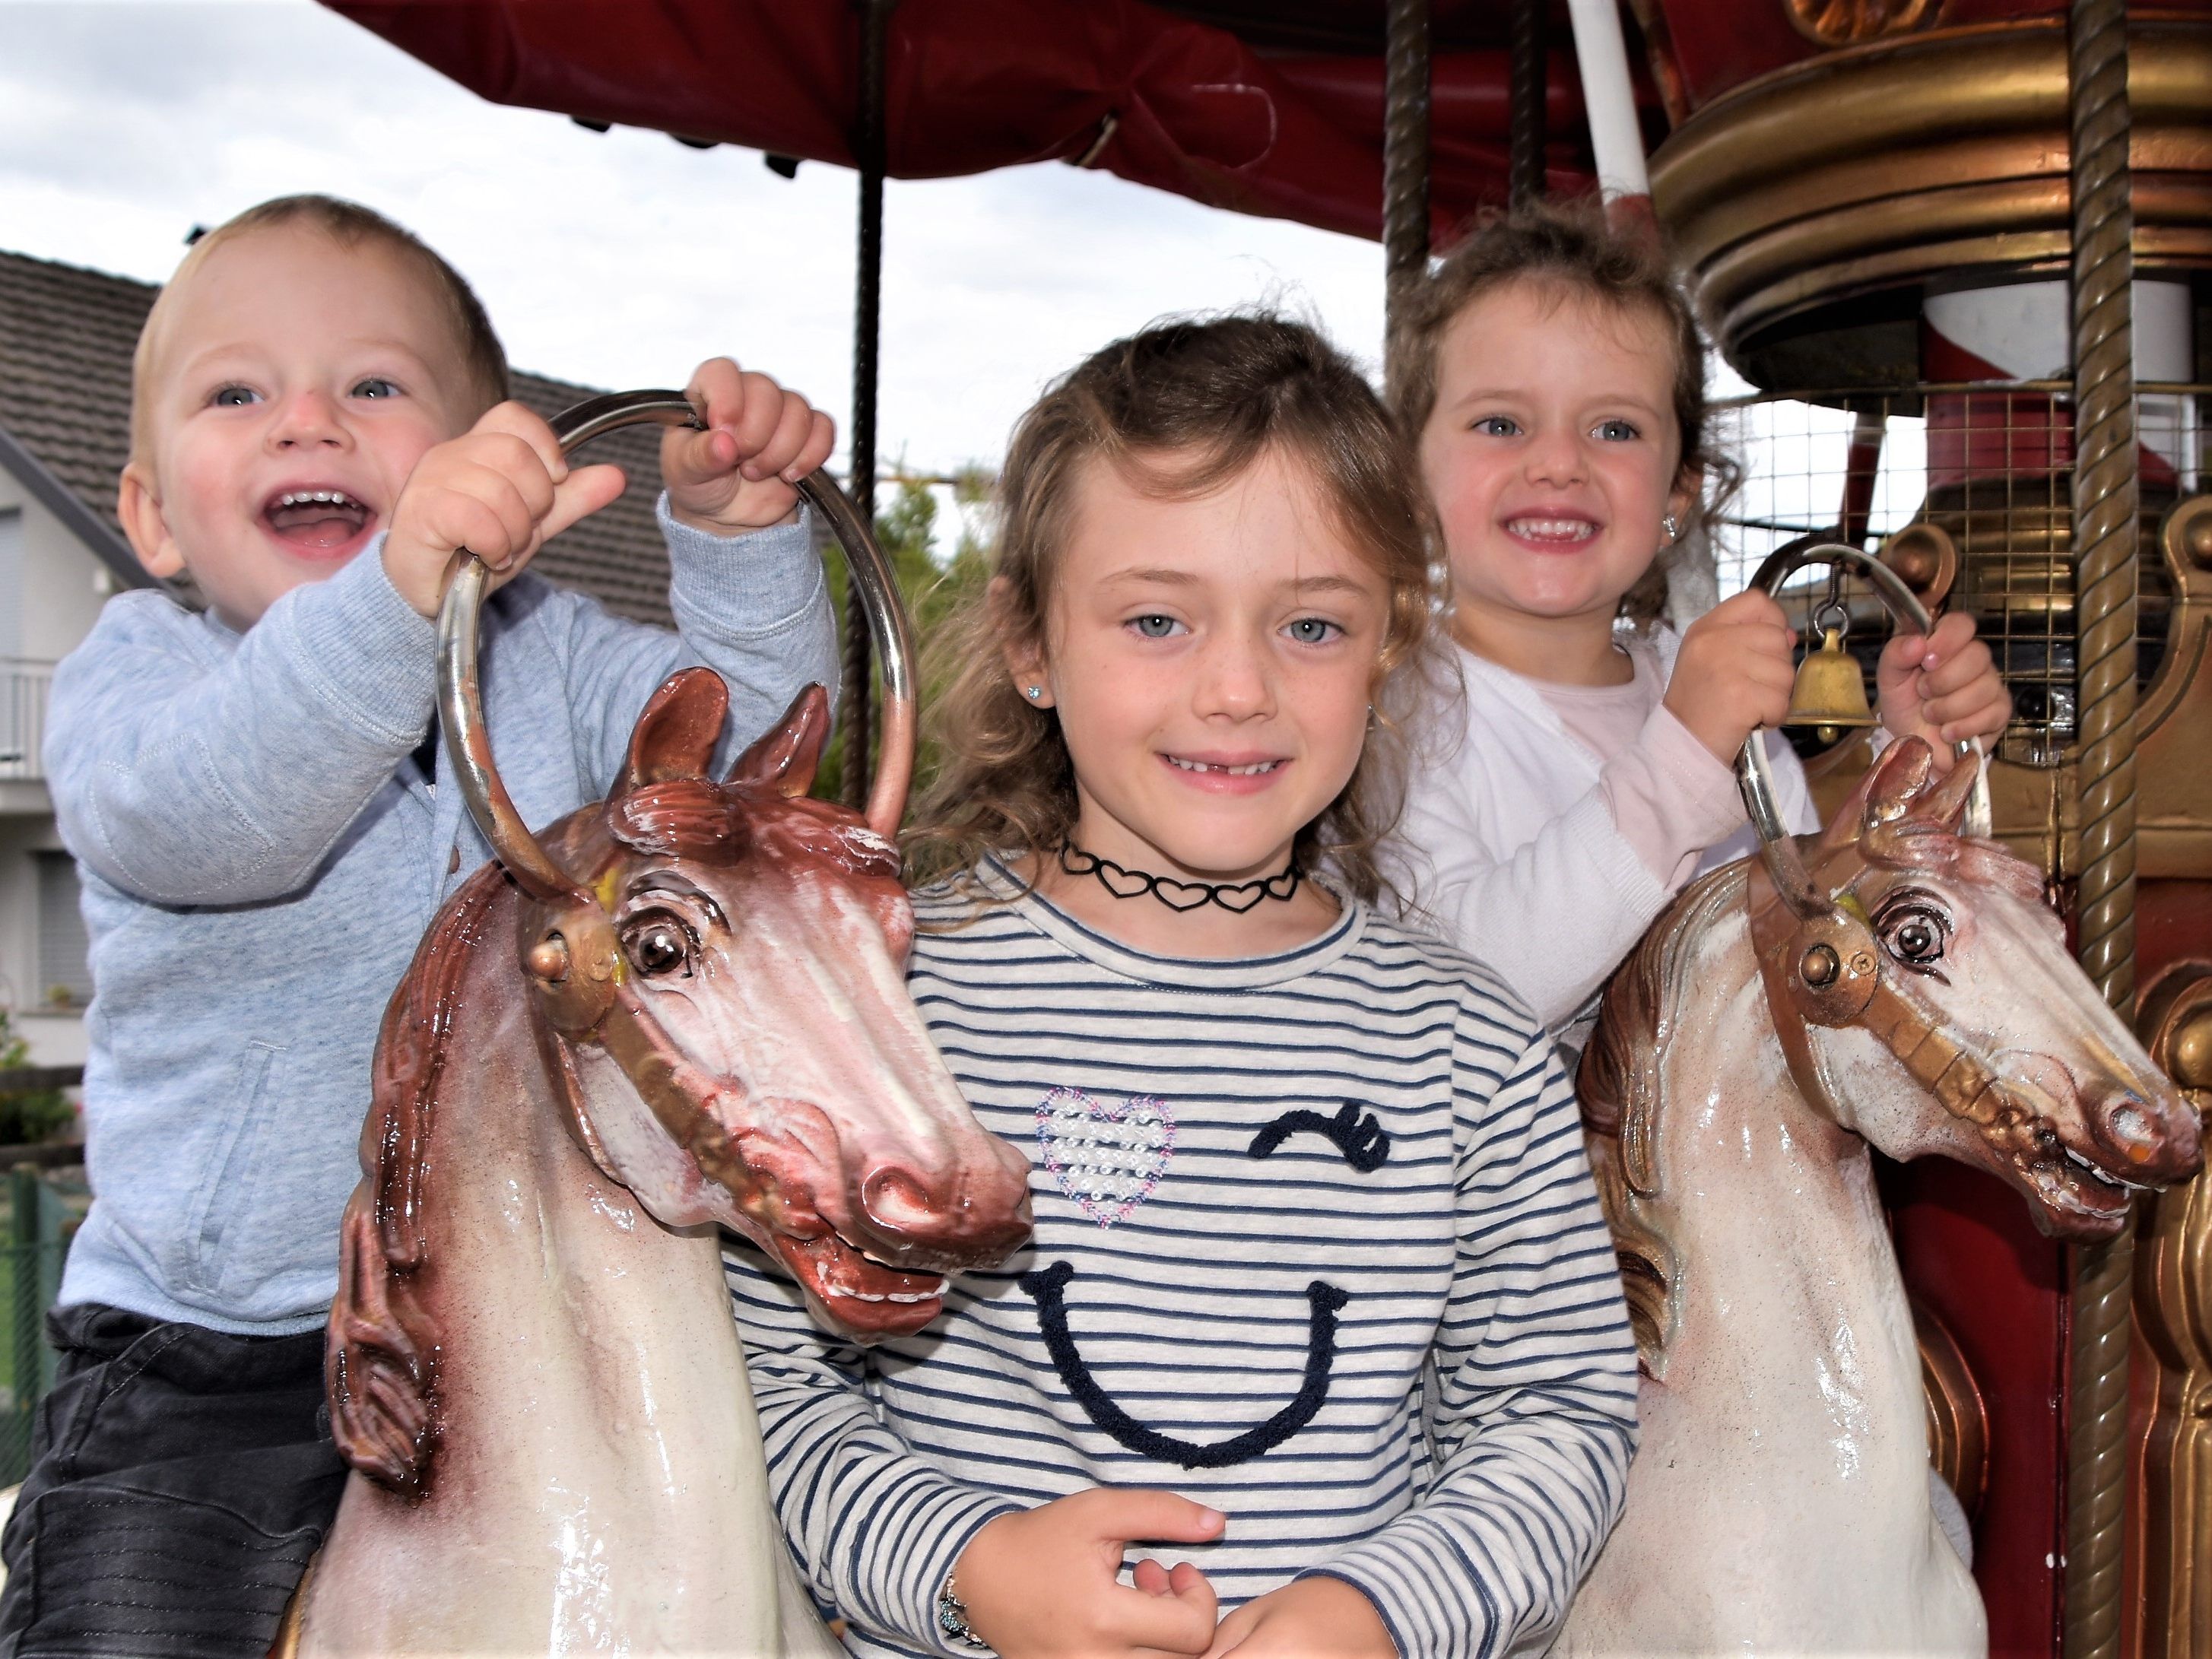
{"x":460,"y":691}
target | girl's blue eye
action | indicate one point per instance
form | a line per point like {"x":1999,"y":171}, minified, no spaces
{"x":1312,"y":630}
{"x":375,"y":387}
{"x":1155,"y":627}
{"x":1498,"y":426}
{"x":1618,"y":432}
{"x":233,"y":397}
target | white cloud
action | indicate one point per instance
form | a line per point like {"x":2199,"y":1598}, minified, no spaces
{"x":619,"y":259}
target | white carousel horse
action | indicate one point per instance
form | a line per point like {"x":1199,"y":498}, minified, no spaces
{"x":683,"y":1007}
{"x":1896,"y":983}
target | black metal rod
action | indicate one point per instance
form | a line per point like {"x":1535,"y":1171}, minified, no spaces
{"x":868,"y":149}
{"x":1405,"y":166}
{"x":1525,"y":168}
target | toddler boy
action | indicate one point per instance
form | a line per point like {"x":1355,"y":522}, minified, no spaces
{"x":253,"y":796}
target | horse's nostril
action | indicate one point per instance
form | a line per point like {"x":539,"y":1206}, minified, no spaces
{"x":895,"y":1201}
{"x":2130,"y":1129}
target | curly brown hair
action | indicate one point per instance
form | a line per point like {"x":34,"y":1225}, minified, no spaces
{"x":1183,"y":408}
{"x":1569,"y":247}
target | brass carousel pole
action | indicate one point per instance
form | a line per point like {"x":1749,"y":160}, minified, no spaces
{"x":1530,"y":83}
{"x":2104,"y":541}
{"x":1404,"y":166}
{"x":867,"y":314}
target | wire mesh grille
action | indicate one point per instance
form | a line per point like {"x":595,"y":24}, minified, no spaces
{"x":1990,"y":466}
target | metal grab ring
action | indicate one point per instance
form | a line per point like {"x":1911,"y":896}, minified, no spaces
{"x":1755,"y":778}
{"x":460,"y":691}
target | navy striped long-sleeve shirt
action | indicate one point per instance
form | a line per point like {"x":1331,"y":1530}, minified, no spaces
{"x":1268,"y":1194}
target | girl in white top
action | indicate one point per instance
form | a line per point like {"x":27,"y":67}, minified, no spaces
{"x":1555,"y":384}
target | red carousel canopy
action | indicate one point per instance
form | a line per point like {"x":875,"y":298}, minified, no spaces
{"x":1260,"y":107}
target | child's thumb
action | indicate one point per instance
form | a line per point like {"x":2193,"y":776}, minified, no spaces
{"x":579,"y":494}
{"x":1137,"y":1513}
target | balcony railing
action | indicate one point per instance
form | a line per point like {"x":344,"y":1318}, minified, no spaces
{"x":22,"y":716}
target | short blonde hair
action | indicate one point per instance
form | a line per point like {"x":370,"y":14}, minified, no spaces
{"x":1181,"y":409}
{"x":349,"y":224}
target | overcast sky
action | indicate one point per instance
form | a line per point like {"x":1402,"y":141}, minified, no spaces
{"x":619,"y":259}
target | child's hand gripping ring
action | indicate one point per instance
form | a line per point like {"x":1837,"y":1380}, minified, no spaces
{"x":461,"y":693}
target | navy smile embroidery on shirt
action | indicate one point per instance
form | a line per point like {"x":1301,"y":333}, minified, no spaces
{"x":1361,"y":1138}
{"x":1048,"y":1285}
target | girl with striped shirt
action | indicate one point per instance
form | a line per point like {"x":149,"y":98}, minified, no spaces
{"x":1319,"y":1293}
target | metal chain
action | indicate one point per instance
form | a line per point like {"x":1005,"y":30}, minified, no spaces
{"x":1405,"y":168}
{"x":867,"y":314}
{"x":2104,"y":538}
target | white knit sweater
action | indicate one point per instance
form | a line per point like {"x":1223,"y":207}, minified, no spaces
{"x":1509,"y":848}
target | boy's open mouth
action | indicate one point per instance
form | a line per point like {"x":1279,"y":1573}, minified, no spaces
{"x":323,"y":519}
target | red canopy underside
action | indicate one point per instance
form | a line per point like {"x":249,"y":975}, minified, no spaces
{"x":1163,"y":100}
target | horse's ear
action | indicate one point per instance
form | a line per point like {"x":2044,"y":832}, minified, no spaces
{"x":789,"y":753}
{"x":675,"y":737}
{"x":1947,"y":803}
{"x":1898,"y":781}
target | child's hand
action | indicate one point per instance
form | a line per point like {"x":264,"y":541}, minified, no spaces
{"x":1942,"y":686}
{"x":1314,"y":1618}
{"x":1045,"y":1582}
{"x":737,"y":475}
{"x":1734,"y":674}
{"x":499,"y":490}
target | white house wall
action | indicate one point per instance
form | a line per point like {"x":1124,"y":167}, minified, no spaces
{"x":58,"y":586}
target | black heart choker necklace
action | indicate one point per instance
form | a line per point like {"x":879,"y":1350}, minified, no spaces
{"x":1236,"y":896}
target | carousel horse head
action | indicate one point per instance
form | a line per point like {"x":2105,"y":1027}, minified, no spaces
{"x":734,"y":950}
{"x":1909,"y":966}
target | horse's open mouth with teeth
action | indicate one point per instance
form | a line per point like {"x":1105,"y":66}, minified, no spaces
{"x":855,"y":1292}
{"x":2082,"y":1191}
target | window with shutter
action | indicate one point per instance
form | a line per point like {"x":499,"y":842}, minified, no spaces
{"x":64,"y":978}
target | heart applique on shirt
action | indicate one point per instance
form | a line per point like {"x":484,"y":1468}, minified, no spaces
{"x":1107,"y":1158}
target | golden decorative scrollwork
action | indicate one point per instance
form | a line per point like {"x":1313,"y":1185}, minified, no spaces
{"x":2170,"y":1586}
{"x":1958,"y":1419}
{"x":1847,"y":23}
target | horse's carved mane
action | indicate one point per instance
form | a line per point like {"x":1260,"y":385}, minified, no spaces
{"x":382,"y":1352}
{"x":1621,"y":1084}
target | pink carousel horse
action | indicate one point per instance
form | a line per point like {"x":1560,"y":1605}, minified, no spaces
{"x":1900,"y":984}
{"x":682,"y":1007}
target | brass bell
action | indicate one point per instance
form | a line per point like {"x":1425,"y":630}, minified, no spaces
{"x":1830,"y":693}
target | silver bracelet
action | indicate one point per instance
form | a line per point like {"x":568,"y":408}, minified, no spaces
{"x":952,"y":1618}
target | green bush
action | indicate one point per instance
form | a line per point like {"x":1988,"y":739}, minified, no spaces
{"x":28,"y":1115}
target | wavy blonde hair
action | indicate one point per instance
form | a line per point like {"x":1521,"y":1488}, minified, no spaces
{"x":1181,"y":409}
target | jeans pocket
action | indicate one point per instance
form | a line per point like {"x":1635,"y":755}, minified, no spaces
{"x":223,"y":1191}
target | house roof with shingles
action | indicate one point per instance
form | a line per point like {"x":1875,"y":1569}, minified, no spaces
{"x":66,"y":338}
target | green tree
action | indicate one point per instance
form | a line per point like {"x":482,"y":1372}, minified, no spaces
{"x":906,"y":529}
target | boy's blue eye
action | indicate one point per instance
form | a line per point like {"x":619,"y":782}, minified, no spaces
{"x":1618,"y":432}
{"x":1312,"y":630}
{"x":375,"y":387}
{"x":1498,"y":426}
{"x":234,"y":397}
{"x":1155,"y":627}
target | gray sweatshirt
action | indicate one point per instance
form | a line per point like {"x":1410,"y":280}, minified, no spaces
{"x":259,"y":858}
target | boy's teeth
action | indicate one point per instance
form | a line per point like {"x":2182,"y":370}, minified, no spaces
{"x":1251,"y":771}
{"x":316,"y":497}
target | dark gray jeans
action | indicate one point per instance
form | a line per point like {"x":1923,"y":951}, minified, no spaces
{"x":183,"y":1477}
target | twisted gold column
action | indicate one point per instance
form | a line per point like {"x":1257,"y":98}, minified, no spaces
{"x":2105,"y":537}
{"x":1405,"y":167}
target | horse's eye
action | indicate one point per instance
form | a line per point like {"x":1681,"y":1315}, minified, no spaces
{"x":658,"y":945}
{"x":1916,"y":935}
